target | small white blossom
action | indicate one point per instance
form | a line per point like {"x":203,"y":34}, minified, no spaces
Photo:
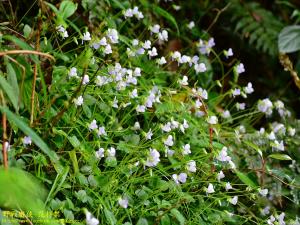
{"x":223,"y":156}
{"x":161,"y":61}
{"x":228,"y":53}
{"x":101,"y":131}
{"x":123,"y":202}
{"x":181,"y":178}
{"x":228,"y":186}
{"x":134,"y":94}
{"x":234,"y":200}
{"x":86,"y":36}
{"x":265,"y":106}
{"x":210,"y":189}
{"x":236,"y":92}
{"x":240,"y":68}
{"x":100,"y":153}
{"x":186,"y":149}
{"x":147,"y":44}
{"x":73,"y":72}
{"x":78,"y":101}
{"x":226,"y":114}
{"x":155,"y":29}
{"x":249,"y":89}
{"x":149,"y":134}
{"x":220,"y":175}
{"x":263,"y":192}
{"x":112,"y":35}
{"x":107,"y":49}
{"x":93,"y":125}
{"x":169,"y":141}
{"x":140,"y":108}
{"x":111,"y":152}
{"x":191,"y":25}
{"x":240,"y":106}
{"x":200,"y":68}
{"x":136,"y":126}
{"x":152,"y":52}
{"x":191,"y":166}
{"x":27,"y":140}
{"x":86,"y":79}
{"x":90,"y":220}
{"x":153,"y":158}
{"x":278,"y":145}
{"x":212,"y":120}
{"x":184,"y":81}
{"x":163,"y":36}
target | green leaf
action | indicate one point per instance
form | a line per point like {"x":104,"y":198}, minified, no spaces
{"x":178,"y":216}
{"x":142,"y":221}
{"x":289,"y":39}
{"x":11,"y":94}
{"x":12,"y":78}
{"x":161,"y":12}
{"x":27,"y":31}
{"x":280,"y":156}
{"x":245,"y":179}
{"x":13,"y":118}
{"x":67,"y":9}
{"x":110,"y":216}
{"x":74,"y":141}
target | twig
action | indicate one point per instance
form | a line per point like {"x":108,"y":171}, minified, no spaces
{"x":219,"y":12}
{"x":288,"y":65}
{"x":27,"y":52}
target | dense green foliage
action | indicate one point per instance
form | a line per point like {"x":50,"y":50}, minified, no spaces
{"x":139,"y":112}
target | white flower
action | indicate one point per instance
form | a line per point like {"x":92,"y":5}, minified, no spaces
{"x":86,"y":79}
{"x":236,"y":92}
{"x":210,"y":189}
{"x":155,"y":29}
{"x":228,"y":53}
{"x":149,"y":134}
{"x":111,"y":152}
{"x":169,"y":141}
{"x":181,"y":178}
{"x":186,"y":149}
{"x":234,"y":200}
{"x":27,"y":140}
{"x":271,"y":220}
{"x":161,"y":61}
{"x":140,"y":51}
{"x":278,"y":145}
{"x":191,"y":25}
{"x":112,"y":35}
{"x":101,"y":131}
{"x":93,"y":125}
{"x":115,"y":103}
{"x":152,"y":52}
{"x":166,"y":127}
{"x":62,"y":31}
{"x":136,"y":126}
{"x":135,"y":42}
{"x":86,"y":36}
{"x":163,"y":36}
{"x":153,"y":158}
{"x":228,"y":186}
{"x":73,"y":72}
{"x":249,"y":89}
{"x":191,"y":166}
{"x":78,"y":101}
{"x":176,"y":56}
{"x":265,"y":106}
{"x":177,"y":7}
{"x":186,"y":59}
{"x":291,"y":131}
{"x":280,"y":219}
{"x":265,"y":211}
{"x":220,"y":175}
{"x":240,"y":68}
{"x":212,"y":120}
{"x":137,"y":72}
{"x":140,"y":108}
{"x":226,"y":114}
{"x":103,"y":41}
{"x":7,"y":146}
{"x":100,"y":153}
{"x":184,"y":81}
{"x":200,"y":68}
{"x":123,"y":202}
{"x":240,"y":106}
{"x":147,"y":44}
{"x":107,"y":49}
{"x":263,"y":192}
{"x":223,"y":157}
{"x":128,"y":13}
{"x":90,"y":220}
{"x":134,"y":94}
